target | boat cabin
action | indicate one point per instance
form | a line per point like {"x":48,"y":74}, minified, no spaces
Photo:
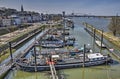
{"x":95,"y":56}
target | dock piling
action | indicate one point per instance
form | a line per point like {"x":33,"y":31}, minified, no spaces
{"x":101,"y":42}
{"x":84,"y":55}
{"x":94,"y":31}
{"x":10,"y":48}
{"x":35,"y":59}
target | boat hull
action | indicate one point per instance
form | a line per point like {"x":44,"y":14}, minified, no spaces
{"x":60,"y":66}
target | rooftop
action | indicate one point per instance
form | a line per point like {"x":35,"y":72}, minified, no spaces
{"x":95,"y":55}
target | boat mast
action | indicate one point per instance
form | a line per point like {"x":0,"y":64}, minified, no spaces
{"x":35,"y":59}
{"x":84,"y":55}
{"x":94,"y":31}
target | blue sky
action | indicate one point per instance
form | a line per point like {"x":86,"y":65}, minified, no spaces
{"x":94,"y":7}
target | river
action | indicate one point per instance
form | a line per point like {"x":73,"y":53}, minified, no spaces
{"x":111,"y":71}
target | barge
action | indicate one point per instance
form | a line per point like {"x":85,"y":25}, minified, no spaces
{"x":63,"y":62}
{"x":52,"y":42}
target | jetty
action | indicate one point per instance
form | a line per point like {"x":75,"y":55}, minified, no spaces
{"x":89,"y":28}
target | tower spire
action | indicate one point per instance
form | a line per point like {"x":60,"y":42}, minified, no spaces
{"x":22,"y":8}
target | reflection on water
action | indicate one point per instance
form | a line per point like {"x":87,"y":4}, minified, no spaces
{"x":97,"y":72}
{"x":17,"y":74}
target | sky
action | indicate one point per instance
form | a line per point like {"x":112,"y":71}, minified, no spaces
{"x":93,"y":7}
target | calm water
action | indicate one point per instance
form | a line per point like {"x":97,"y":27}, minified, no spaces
{"x":97,"y":72}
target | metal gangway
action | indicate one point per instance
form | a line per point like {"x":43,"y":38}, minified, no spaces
{"x":53,"y":71}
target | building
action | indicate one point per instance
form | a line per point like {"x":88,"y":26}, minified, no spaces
{"x":36,"y":17}
{"x":0,"y":21}
{"x":6,"y":22}
{"x":15,"y":20}
{"x":22,"y":9}
{"x":29,"y":17}
{"x":14,"y":17}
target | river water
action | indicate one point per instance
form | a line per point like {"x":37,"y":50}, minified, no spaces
{"x":111,"y":71}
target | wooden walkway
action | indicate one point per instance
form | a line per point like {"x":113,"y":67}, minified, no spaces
{"x":53,"y":71}
{"x":115,"y":52}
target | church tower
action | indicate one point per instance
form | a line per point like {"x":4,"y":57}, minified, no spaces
{"x":22,"y":9}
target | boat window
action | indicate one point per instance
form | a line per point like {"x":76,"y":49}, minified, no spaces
{"x":103,"y":58}
{"x":91,"y":59}
{"x":95,"y":59}
{"x":98,"y":59}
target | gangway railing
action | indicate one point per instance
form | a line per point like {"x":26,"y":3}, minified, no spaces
{"x":53,"y":71}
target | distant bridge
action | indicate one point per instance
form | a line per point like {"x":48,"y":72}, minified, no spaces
{"x":99,"y":16}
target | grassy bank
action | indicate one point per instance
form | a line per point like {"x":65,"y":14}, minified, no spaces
{"x":6,"y":55}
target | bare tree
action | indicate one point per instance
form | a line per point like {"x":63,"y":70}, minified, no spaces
{"x":114,"y":25}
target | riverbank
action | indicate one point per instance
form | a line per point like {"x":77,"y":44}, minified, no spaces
{"x":21,"y":38}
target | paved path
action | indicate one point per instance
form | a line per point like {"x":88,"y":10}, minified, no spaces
{"x":4,"y":69}
{"x":7,"y":37}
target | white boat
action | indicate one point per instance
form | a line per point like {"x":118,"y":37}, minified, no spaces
{"x":99,"y":44}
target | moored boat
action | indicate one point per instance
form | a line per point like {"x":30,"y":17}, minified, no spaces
{"x":62,"y":62}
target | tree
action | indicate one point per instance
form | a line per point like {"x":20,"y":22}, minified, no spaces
{"x":114,"y":25}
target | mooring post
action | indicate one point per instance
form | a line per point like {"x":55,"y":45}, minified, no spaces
{"x":35,"y":59}
{"x":40,"y":46}
{"x":84,"y":55}
{"x":10,"y":48}
{"x":101,"y":42}
{"x":94,"y":31}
